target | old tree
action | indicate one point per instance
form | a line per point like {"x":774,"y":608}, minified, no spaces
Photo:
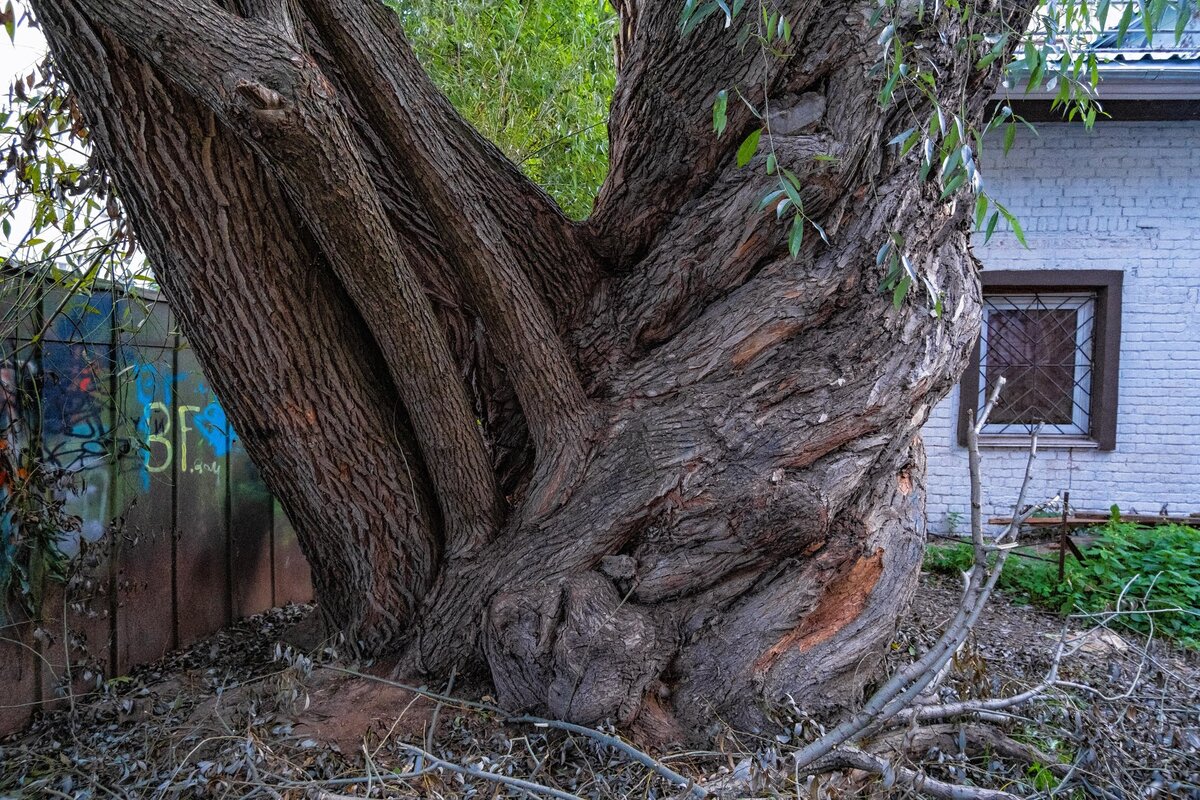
{"x":661,"y":466}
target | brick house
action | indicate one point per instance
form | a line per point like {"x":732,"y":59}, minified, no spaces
{"x":1096,"y":325}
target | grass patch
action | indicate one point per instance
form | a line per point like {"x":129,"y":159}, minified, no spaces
{"x":1160,"y":566}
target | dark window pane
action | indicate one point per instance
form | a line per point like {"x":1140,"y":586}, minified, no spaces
{"x":1034,"y":350}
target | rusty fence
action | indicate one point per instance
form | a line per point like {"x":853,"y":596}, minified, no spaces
{"x":176,"y":536}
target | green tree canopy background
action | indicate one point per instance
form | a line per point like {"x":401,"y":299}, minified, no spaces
{"x":536,"y":77}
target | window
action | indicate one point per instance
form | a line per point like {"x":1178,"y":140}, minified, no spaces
{"x":1054,"y":336}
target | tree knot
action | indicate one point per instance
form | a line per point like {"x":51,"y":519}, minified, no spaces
{"x":263,"y":98}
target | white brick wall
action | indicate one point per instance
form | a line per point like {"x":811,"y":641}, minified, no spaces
{"x":1125,"y":196}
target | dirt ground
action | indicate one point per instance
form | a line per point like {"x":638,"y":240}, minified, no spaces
{"x":244,"y":715}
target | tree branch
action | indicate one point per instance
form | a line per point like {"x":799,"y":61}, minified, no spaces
{"x":547,"y":244}
{"x":264,"y":87}
{"x":392,"y":85}
{"x":852,"y":757}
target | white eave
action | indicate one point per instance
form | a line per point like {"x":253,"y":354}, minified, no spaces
{"x":1145,"y":79}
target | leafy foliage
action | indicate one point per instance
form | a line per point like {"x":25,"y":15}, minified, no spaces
{"x":1153,"y":570}
{"x":59,"y":213}
{"x":34,"y":518}
{"x":534,"y":77}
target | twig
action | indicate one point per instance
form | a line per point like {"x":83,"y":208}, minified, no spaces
{"x":637,"y":755}
{"x":976,"y":737}
{"x":976,"y":707}
{"x":456,"y":702}
{"x":535,"y":788}
{"x":433,"y":718}
{"x":915,"y":779}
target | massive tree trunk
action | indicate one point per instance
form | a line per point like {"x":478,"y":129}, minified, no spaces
{"x":649,"y":467}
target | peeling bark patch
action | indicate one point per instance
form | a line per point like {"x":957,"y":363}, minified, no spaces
{"x":904,"y":482}
{"x":841,"y":605}
{"x":813,"y":548}
{"x":838,"y":434}
{"x":762,"y":339}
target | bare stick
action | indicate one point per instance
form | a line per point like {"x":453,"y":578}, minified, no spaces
{"x":437,"y":710}
{"x":851,"y":757}
{"x":535,"y":788}
{"x":637,"y":755}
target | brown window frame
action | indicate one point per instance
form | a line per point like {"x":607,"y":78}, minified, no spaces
{"x":1106,"y":337}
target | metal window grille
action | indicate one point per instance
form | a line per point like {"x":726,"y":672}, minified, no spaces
{"x":1042,"y":344}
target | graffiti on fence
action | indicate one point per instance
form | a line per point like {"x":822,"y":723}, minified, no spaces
{"x":191,"y":438}
{"x":112,"y":408}
{"x":75,"y":414}
{"x":72,"y":385}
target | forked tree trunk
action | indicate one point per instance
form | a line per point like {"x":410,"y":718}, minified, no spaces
{"x":648,"y":467}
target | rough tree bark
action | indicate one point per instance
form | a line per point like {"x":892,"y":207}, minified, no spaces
{"x":648,"y":467}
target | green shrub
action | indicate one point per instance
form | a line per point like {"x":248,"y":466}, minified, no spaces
{"x":1157,"y":568}
{"x":534,"y":76}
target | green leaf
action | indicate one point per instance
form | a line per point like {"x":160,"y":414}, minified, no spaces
{"x":770,"y":198}
{"x":791,"y":185}
{"x":692,"y":19}
{"x":748,"y":148}
{"x":1123,"y":25}
{"x":981,"y":207}
{"x":1010,"y":136}
{"x":720,"y":107}
{"x":900,"y":291}
{"x":902,"y":137}
{"x":796,"y":237}
{"x":721,"y":4}
{"x":820,"y":232}
{"x":953,"y":185}
{"x":1151,"y":13}
{"x":885,"y":96}
{"x":926,"y":168}
{"x":882,"y":254}
{"x":994,"y":53}
{"x":1016,"y":226}
{"x":772,"y":163}
{"x":1035,"y":74}
{"x":951,"y":163}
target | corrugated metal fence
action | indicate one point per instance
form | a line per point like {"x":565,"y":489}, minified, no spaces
{"x":179,"y":536}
